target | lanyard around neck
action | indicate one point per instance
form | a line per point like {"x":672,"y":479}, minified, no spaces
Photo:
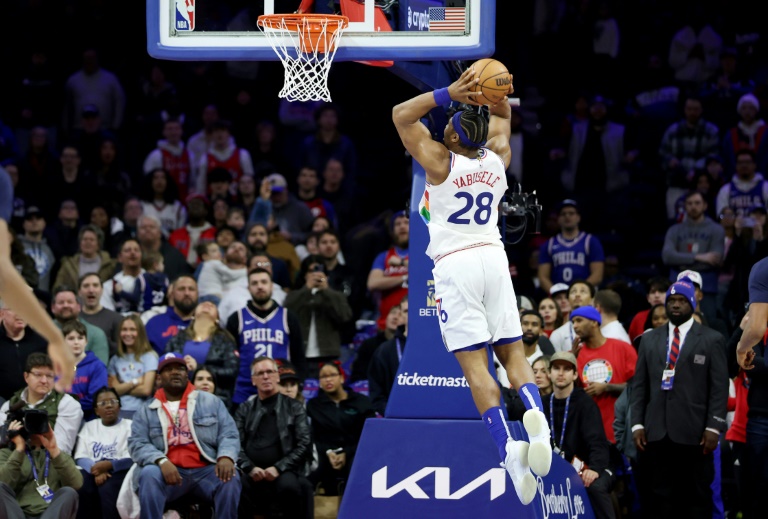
{"x":34,"y":469}
{"x":552,"y":418}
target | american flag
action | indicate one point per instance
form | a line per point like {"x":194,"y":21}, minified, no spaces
{"x":447,"y":19}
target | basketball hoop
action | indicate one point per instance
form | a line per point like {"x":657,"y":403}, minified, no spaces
{"x":306,"y":45}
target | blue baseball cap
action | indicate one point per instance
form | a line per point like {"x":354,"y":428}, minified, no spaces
{"x":683,"y":287}
{"x":587,"y":312}
{"x":399,"y":214}
{"x":568,"y":202}
{"x":170,"y":358}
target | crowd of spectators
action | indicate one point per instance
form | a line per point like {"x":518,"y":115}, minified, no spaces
{"x":164,"y":207}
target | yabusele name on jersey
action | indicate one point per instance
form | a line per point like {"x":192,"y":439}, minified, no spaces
{"x":479,"y":177}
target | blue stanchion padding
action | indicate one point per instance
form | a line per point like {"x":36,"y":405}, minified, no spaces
{"x":429,"y":381}
{"x":449,"y":468}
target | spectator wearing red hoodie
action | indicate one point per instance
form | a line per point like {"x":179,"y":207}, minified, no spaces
{"x":656,"y":295}
{"x":198,"y":228}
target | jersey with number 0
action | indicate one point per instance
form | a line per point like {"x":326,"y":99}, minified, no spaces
{"x":463,"y":211}
{"x":259,"y":337}
{"x":570,"y":259}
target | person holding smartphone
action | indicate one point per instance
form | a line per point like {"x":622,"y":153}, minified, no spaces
{"x":317,"y":303}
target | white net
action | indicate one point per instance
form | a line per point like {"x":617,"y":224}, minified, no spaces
{"x":306,"y":45}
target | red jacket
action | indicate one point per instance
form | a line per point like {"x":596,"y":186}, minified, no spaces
{"x":637,"y":326}
{"x":737,"y":432}
{"x":181,"y":239}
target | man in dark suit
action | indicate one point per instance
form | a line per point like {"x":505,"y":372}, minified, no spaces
{"x":678,"y":406}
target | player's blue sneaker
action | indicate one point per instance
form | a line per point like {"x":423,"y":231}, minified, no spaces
{"x":540,"y":451}
{"x":516,"y":464}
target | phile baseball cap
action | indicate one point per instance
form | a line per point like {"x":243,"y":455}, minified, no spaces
{"x":692,"y":276}
{"x":278,"y":182}
{"x":170,"y":358}
{"x":564,"y":356}
{"x":557,"y":288}
{"x":587,"y":312}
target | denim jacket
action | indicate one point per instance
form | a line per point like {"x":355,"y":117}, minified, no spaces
{"x":213,"y":430}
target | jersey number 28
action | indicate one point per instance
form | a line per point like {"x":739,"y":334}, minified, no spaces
{"x":482,"y":213}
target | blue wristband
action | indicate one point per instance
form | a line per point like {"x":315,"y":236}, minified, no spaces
{"x":442,"y":97}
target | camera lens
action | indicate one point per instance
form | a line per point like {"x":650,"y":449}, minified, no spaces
{"x":36,"y":421}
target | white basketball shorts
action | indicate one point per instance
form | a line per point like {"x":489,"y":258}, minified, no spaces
{"x":475,"y":299}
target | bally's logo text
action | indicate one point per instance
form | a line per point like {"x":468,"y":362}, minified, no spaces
{"x":431,"y":308}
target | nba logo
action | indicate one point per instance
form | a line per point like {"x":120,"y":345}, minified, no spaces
{"x":185,"y":15}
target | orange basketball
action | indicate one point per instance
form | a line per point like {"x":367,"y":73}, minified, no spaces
{"x":493,"y":83}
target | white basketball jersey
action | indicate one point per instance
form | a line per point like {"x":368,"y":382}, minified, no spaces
{"x":463,"y":211}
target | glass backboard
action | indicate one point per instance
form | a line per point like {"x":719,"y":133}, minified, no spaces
{"x":398,"y":30}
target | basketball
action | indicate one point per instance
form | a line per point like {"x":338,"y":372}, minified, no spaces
{"x":493,"y":83}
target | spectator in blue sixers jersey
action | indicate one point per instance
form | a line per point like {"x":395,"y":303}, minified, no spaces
{"x":263,"y":328}
{"x":164,"y":325}
{"x":571,"y":254}
{"x":747,"y":188}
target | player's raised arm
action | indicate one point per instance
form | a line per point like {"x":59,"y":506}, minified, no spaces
{"x":15,"y":291}
{"x":432,"y":155}
{"x":499,"y":127}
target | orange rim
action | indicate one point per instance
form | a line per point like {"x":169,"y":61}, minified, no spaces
{"x":310,"y":27}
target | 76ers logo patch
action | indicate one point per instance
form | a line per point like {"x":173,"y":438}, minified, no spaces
{"x":185,"y":15}
{"x":440,"y":312}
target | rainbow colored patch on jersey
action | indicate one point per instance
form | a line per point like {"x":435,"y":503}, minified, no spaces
{"x":424,"y":207}
{"x":597,"y":370}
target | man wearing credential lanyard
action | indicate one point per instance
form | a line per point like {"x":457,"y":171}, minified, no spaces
{"x":37,"y":479}
{"x":678,"y":404}
{"x":576,"y":426}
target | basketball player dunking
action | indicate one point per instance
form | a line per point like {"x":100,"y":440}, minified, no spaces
{"x":473,"y":289}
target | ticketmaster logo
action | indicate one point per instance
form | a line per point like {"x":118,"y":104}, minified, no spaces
{"x":404,"y":379}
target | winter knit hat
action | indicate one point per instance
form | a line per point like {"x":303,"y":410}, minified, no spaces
{"x":684,"y":288}
{"x":748,"y":98}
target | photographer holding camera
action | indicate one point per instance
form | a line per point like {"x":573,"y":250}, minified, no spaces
{"x":322,"y":312}
{"x":64,"y":412}
{"x":37,"y":479}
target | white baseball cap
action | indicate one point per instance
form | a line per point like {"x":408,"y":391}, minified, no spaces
{"x":557,"y":288}
{"x":694,"y":276}
{"x":278,"y":182}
